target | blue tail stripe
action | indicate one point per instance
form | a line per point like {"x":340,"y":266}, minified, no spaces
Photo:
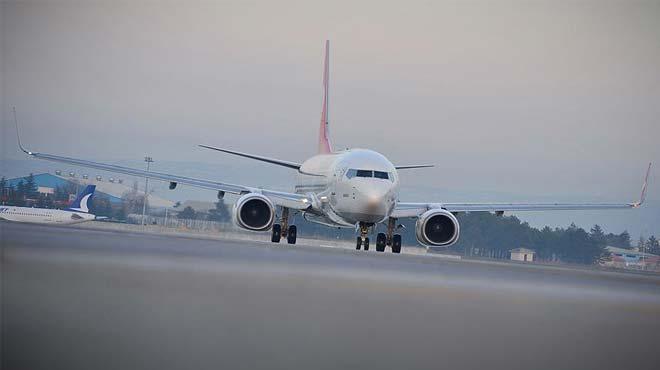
{"x":76,"y":206}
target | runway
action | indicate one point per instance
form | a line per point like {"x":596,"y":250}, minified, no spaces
{"x":87,"y":299}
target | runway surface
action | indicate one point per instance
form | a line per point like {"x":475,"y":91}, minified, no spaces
{"x":88,"y":299}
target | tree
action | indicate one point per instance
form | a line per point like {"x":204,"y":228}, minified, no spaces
{"x":220,"y":213}
{"x":19,"y":194}
{"x":652,"y":245}
{"x":101,"y":206}
{"x":44,"y":201}
{"x":133,"y":200}
{"x":596,"y":233}
{"x":3,"y":189}
{"x":624,"y":240}
{"x":31,"y":190}
{"x":187,"y":213}
{"x":641,"y":244}
{"x":121,"y":212}
{"x":62,"y":192}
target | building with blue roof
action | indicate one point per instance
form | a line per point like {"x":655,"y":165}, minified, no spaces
{"x":111,"y":188}
{"x":47,"y":183}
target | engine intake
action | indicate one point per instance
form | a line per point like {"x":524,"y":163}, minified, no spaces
{"x":254,"y":212}
{"x":437,"y":228}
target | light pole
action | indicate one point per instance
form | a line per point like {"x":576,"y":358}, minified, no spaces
{"x":149,"y":160}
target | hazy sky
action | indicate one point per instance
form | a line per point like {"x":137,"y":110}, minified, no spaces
{"x":530,"y":97}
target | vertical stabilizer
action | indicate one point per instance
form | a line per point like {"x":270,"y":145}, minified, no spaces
{"x":324,"y":138}
{"x":80,"y":204}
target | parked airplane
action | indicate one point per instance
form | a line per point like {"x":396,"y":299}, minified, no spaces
{"x":77,"y":212}
{"x":347,"y":188}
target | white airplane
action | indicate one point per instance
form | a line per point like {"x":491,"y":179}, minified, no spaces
{"x":354,"y":188}
{"x":77,"y":212}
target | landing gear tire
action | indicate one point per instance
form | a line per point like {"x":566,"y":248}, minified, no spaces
{"x":366,"y":244}
{"x":292,"y":234}
{"x":381,"y":240}
{"x":359,"y":243}
{"x":396,"y":243}
{"x":277,"y":233}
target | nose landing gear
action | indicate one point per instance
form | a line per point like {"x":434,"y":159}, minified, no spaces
{"x":363,"y":240}
{"x":283,"y":230}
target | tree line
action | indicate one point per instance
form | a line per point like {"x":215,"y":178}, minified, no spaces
{"x":489,"y":235}
{"x":482,"y":233}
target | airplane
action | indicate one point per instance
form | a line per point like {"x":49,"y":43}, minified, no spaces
{"x":352,"y":188}
{"x":77,"y":212}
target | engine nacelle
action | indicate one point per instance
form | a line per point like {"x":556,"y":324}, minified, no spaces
{"x":254,"y":211}
{"x":437,"y":228}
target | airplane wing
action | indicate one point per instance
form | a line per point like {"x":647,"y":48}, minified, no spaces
{"x":280,"y":198}
{"x":290,"y":200}
{"x":403,"y":210}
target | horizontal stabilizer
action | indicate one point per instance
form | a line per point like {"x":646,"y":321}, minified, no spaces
{"x":295,"y":166}
{"x":412,"y":166}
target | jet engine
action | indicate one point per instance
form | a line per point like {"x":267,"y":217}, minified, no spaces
{"x":254,"y":212}
{"x":437,"y":228}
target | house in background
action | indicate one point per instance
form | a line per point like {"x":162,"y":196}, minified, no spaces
{"x":522,"y":254}
{"x":631,"y":259}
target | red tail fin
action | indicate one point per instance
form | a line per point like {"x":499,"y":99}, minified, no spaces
{"x":324,"y":139}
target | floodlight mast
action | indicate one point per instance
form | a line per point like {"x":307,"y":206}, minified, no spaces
{"x":149,"y":160}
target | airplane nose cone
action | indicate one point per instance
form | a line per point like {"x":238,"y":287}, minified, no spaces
{"x":375,"y":198}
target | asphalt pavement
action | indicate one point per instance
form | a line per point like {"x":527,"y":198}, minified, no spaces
{"x":77,"y":298}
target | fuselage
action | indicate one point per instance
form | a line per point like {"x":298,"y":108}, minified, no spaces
{"x":43,"y":215}
{"x":351,"y":186}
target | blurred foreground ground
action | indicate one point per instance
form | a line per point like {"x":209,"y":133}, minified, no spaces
{"x":78,"y":298}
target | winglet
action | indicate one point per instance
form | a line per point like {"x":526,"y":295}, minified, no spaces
{"x":642,"y":196}
{"x":324,"y":137}
{"x":18,"y":136}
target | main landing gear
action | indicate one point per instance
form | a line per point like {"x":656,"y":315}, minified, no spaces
{"x":283,"y":230}
{"x":382,"y":239}
{"x":393,"y":240}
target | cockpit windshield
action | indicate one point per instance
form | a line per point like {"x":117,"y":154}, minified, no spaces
{"x":368,"y":173}
{"x":381,"y":175}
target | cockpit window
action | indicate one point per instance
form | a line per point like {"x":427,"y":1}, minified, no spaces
{"x":381,"y":175}
{"x":351,"y":173}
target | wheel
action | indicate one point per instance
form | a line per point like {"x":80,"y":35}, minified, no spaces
{"x":292,"y":234}
{"x":359,"y":243}
{"x":396,"y":243}
{"x":277,"y":233}
{"x":366,"y":244}
{"x":380,"y":242}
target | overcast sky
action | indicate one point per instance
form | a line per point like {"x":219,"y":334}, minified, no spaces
{"x":542,"y":98}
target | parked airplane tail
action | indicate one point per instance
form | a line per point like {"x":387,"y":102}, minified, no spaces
{"x":324,"y":138}
{"x":80,"y":204}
